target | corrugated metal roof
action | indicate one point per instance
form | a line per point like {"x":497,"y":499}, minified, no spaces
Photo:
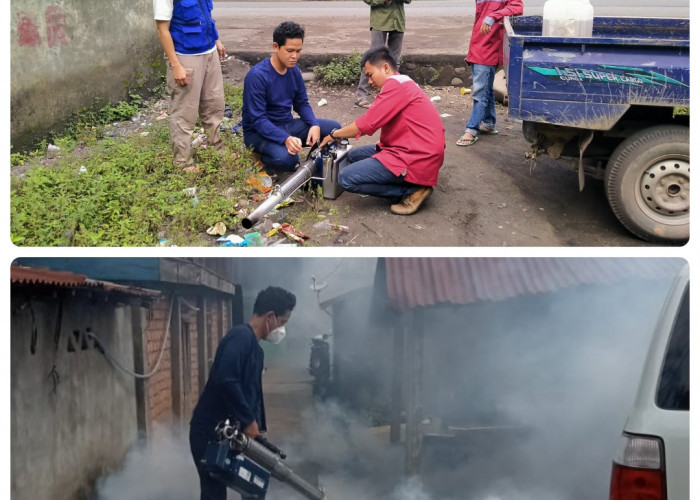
{"x":414,"y":282}
{"x":21,"y":275}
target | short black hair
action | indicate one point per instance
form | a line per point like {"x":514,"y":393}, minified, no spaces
{"x":379,"y":55}
{"x":275,"y":299}
{"x":287,"y":29}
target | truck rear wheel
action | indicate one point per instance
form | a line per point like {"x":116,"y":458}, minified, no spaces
{"x":647,"y":182}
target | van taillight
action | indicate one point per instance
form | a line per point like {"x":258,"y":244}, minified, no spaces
{"x":637,"y":472}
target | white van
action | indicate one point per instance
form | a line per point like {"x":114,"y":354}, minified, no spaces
{"x":652,"y":461}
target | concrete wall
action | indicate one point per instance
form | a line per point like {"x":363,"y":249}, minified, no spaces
{"x":66,"y":53}
{"x":73,"y":416}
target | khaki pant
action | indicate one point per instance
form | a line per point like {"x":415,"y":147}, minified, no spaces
{"x":204,"y":95}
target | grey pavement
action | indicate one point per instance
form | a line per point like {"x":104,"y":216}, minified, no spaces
{"x":433,"y":27}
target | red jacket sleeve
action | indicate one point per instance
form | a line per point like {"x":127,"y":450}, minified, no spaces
{"x":510,"y":8}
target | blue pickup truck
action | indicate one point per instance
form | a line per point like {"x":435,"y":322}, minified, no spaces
{"x":615,"y":106}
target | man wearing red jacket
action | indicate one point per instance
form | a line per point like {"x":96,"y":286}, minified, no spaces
{"x":484,"y":56}
{"x":404,"y":164}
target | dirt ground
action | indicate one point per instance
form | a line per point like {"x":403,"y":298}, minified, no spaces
{"x":488,"y":194}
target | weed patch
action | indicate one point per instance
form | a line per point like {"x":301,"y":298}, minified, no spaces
{"x":340,"y":71}
{"x":126,"y":192}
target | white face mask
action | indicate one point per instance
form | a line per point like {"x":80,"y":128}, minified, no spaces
{"x":277,"y":335}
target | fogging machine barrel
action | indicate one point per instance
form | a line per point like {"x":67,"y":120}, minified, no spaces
{"x":245,"y":465}
{"x":334,"y":158}
{"x":273,"y":462}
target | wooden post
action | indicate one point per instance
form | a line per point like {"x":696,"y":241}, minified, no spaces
{"x":138,"y":334}
{"x":220,"y":317}
{"x":397,"y":375}
{"x":176,"y":361}
{"x":202,"y":343}
{"x":414,"y":379}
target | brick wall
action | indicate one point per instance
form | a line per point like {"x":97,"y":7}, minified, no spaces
{"x":159,"y":385}
{"x":160,"y":404}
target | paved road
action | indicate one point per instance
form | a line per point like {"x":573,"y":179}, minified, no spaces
{"x":438,"y":8}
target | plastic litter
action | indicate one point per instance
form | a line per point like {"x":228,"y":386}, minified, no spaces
{"x":52,"y":148}
{"x":253,"y":240}
{"x":228,"y":111}
{"x":326,"y":225}
{"x":436,"y":98}
{"x":82,"y":169}
{"x":218,"y":229}
{"x":465,"y":90}
{"x":445,"y":115}
{"x":191,"y":192}
{"x":284,"y":203}
{"x":232,"y":240}
{"x":293,"y":234}
{"x":260,"y":181}
{"x":197,"y":140}
{"x":322,"y":102}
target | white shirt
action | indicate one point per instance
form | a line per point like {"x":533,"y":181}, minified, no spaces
{"x":162,"y":10}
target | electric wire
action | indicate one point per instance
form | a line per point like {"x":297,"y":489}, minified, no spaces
{"x":115,"y":363}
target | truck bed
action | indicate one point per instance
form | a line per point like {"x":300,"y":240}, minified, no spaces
{"x":590,"y":83}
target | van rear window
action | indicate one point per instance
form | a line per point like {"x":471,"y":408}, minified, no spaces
{"x":674,"y":387}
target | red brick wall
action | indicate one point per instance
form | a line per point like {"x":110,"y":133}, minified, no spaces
{"x":159,"y":385}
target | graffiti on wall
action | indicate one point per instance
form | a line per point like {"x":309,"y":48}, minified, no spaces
{"x":28,"y":33}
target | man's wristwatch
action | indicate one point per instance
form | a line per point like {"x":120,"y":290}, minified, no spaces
{"x":331,"y":134}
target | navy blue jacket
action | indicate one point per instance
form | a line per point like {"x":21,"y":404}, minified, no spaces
{"x":234,"y":388}
{"x":269,"y":98}
{"x":192,"y":27}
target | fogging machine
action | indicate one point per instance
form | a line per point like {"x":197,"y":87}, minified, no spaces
{"x":331,"y":158}
{"x":245,"y":465}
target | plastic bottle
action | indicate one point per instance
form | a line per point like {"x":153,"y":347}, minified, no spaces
{"x":567,"y":18}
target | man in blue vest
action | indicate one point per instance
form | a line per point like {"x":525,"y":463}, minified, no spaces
{"x":191,"y":43}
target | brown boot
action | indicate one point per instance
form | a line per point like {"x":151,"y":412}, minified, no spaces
{"x":411,"y":203}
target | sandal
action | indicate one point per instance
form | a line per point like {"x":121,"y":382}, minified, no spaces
{"x":363,"y":103}
{"x":488,"y":131}
{"x":464,"y":142}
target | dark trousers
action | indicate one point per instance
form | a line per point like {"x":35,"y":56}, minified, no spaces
{"x":274,"y":154}
{"x":210,"y":488}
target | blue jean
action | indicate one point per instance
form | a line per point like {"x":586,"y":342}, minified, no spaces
{"x":484,"y":110}
{"x":367,"y":175}
{"x":274,"y":154}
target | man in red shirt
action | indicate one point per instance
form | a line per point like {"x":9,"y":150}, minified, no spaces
{"x":484,"y":56}
{"x":404,"y":164}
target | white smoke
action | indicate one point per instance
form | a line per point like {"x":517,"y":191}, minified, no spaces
{"x":162,"y":469}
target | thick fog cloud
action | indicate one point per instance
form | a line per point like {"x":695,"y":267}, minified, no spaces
{"x":535,"y":391}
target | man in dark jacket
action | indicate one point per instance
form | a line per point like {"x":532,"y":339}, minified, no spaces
{"x":234,"y":388}
{"x":485,"y":56}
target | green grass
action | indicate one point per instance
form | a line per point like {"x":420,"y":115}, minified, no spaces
{"x":340,"y":71}
{"x":131,"y":194}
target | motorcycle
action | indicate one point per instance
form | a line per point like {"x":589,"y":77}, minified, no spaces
{"x":320,"y":365}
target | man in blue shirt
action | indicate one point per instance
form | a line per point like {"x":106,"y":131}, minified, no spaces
{"x":234,"y":388}
{"x":271,"y":90}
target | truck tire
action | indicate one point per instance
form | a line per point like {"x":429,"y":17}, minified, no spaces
{"x":647,"y":183}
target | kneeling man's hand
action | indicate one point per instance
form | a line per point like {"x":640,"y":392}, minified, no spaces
{"x":293,"y":145}
{"x":314,"y":135}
